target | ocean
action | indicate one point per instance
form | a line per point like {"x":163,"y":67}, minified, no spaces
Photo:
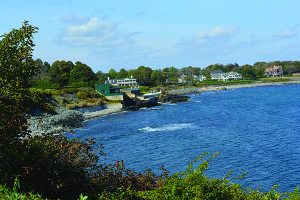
{"x":256,"y":130}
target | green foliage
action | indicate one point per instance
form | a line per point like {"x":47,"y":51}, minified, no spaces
{"x":82,"y":76}
{"x":112,"y":74}
{"x":212,"y":82}
{"x":142,"y":74}
{"x":60,"y":72}
{"x":122,"y":74}
{"x":16,"y":66}
{"x":83,"y":95}
{"x":194,"y":184}
{"x":9,"y":194}
{"x":158,"y":77}
{"x":52,"y":165}
{"x":275,"y":80}
{"x":144,"y":89}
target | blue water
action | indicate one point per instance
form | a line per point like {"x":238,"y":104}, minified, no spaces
{"x":256,"y":130}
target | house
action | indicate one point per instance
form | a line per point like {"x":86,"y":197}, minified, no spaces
{"x":182,"y":79}
{"x":201,"y":78}
{"x":216,"y":72}
{"x":122,"y":82}
{"x":226,"y":76}
{"x":274,"y":71}
{"x":110,"y":92}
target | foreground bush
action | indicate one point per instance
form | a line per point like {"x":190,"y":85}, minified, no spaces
{"x":195,"y":184}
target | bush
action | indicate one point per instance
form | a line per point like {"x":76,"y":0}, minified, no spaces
{"x":144,"y":89}
{"x":83,"y":95}
{"x":8,"y":194}
{"x":52,"y":166}
{"x":212,"y":82}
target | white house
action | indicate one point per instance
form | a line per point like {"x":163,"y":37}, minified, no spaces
{"x":201,"y":78}
{"x":226,"y":76}
{"x":122,"y":82}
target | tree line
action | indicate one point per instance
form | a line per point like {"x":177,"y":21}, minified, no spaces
{"x":66,"y":73}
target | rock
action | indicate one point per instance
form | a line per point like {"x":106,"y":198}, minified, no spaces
{"x":173,"y":98}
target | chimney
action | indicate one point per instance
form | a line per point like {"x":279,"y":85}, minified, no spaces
{"x":107,"y":78}
{"x":131,"y":76}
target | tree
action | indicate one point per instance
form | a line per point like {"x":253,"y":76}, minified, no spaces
{"x":60,"y":72}
{"x":206,"y":72}
{"x":173,"y":69}
{"x":260,"y":72}
{"x":158,"y":77}
{"x":102,"y":78}
{"x":122,"y":74}
{"x":16,"y":66}
{"x":290,"y":69}
{"x":143,"y":75}
{"x":174,"y":79}
{"x":82,"y":75}
{"x":248,"y":71}
{"x":112,"y":74}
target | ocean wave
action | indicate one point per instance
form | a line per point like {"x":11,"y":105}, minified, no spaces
{"x":167,"y":127}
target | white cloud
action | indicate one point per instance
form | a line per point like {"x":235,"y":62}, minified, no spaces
{"x":218,"y":32}
{"x":94,"y":27}
{"x":95,"y":33}
{"x":287,"y":33}
{"x":216,"y":40}
{"x":102,"y":38}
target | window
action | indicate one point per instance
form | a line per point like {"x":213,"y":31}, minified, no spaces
{"x":103,"y":91}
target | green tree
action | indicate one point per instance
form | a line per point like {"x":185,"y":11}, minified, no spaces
{"x":158,"y":77}
{"x":16,"y":66}
{"x":112,"y":74}
{"x":142,"y":74}
{"x":206,"y":72}
{"x":173,"y":69}
{"x":122,"y":74}
{"x":82,"y":75}
{"x":60,"y":72}
{"x":173,"y":79}
{"x":248,"y":71}
{"x":260,"y":72}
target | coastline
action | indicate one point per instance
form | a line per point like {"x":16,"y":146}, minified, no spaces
{"x":66,"y":120}
{"x":186,"y":91}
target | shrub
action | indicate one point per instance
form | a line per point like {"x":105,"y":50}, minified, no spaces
{"x":83,"y":95}
{"x":144,"y":89}
{"x":52,"y":166}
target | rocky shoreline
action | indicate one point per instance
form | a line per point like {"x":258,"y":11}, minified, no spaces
{"x":65,"y":120}
{"x":185,"y":91}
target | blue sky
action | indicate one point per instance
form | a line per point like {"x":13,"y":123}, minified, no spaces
{"x":117,"y":34}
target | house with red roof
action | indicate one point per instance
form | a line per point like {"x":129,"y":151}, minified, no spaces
{"x":274,"y":71}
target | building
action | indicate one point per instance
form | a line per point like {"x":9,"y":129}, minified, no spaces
{"x":201,"y":78}
{"x":110,"y":92}
{"x":226,"y":76}
{"x":122,"y":82}
{"x":216,"y":72}
{"x":274,"y":71}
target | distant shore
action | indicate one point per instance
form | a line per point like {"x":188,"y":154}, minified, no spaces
{"x":66,"y":120}
{"x":185,"y":91}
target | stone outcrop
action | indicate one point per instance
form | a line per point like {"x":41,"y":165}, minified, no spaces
{"x":136,"y":104}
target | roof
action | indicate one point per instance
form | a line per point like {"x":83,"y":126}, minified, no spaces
{"x":217,"y":71}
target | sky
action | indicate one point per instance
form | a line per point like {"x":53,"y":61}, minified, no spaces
{"x":117,"y":34}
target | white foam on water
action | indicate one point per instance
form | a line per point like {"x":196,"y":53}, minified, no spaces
{"x":167,"y":127}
